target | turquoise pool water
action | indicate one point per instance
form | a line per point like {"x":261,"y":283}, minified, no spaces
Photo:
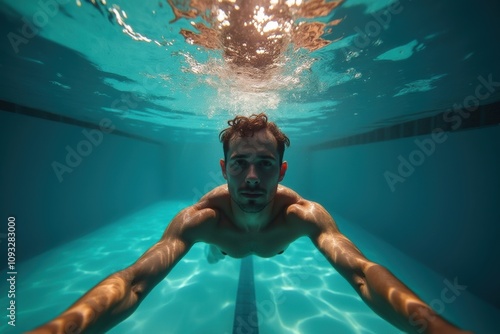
{"x":361,"y":112}
{"x":297,"y":292}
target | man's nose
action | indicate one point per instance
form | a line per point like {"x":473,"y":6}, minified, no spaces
{"x":252,"y":177}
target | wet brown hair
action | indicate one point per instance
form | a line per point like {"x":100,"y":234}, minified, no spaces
{"x":246,"y":126}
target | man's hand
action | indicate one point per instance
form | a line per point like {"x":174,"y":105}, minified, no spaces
{"x":378,"y":287}
{"x":117,"y":296}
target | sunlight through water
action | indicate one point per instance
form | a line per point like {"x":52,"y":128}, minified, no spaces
{"x":258,"y":50}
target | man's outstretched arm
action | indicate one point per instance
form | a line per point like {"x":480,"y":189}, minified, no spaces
{"x":378,"y":287}
{"x":117,"y":296}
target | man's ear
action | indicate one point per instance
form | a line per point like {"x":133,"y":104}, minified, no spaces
{"x":284,"y":167}
{"x":222,"y":163}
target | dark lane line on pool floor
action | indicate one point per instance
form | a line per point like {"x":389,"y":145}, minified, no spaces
{"x":245,"y":314}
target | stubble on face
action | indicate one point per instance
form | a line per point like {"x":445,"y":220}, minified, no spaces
{"x":251,"y":206}
{"x":253,"y":197}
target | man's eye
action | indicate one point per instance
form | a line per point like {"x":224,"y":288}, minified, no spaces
{"x":238,"y":164}
{"x":266,"y":163}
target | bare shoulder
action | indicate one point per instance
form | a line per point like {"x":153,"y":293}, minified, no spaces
{"x":294,"y":204}
{"x":190,"y":223}
{"x":311,"y":215}
{"x":287,"y":196}
{"x":213,"y":197}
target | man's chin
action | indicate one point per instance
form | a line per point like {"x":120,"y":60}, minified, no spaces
{"x":251,"y":206}
{"x":251,"y":209}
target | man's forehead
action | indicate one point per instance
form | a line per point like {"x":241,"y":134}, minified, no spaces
{"x":262,"y":142}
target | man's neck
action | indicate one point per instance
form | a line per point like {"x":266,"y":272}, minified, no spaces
{"x":252,"y":221}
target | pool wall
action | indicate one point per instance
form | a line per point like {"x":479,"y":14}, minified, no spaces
{"x":117,"y":176}
{"x":440,"y":207}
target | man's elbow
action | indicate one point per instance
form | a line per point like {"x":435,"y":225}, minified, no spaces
{"x":368,"y":276}
{"x":129,"y":290}
{"x":137,"y":286}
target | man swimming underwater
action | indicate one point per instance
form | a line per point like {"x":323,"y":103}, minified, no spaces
{"x":252,"y":214}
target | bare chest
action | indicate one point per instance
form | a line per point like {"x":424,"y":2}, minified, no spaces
{"x":266,"y":243}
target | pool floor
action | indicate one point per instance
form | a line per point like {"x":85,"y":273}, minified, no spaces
{"x":295,"y":292}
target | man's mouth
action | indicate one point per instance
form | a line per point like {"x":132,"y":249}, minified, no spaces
{"x":251,"y":193}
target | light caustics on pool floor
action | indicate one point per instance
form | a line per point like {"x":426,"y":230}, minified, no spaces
{"x":296,"y":292}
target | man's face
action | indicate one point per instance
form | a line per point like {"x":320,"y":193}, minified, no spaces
{"x":252,"y":170}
